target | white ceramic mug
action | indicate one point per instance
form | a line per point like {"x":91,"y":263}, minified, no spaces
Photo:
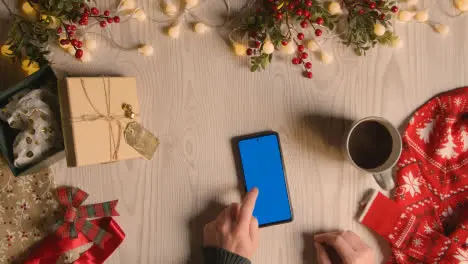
{"x":382,"y":172}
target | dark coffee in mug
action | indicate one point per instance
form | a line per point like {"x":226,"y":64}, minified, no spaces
{"x":370,"y":144}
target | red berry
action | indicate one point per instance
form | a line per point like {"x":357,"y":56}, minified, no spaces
{"x":59,"y":30}
{"x":394,"y":9}
{"x":64,"y":41}
{"x":116,"y":19}
{"x":79,"y":44}
{"x":68,"y":27}
{"x":306,"y":13}
{"x":319,"y":21}
{"x":257,"y":44}
{"x":284,"y":43}
{"x":86,"y":11}
{"x":304,"y":24}
{"x":372,"y":5}
{"x":382,"y":16}
{"x":309,"y":75}
{"x":361,"y":12}
{"x":299,"y":12}
{"x":85,"y":16}
{"x":308,"y":65}
{"x":279,"y":16}
{"x":74,"y":42}
{"x":304,"y":55}
{"x":300,"y":36}
{"x":79,"y":53}
{"x":318,"y":32}
{"x":249,"y":51}
{"x":71,"y":34}
{"x":291,"y":7}
{"x":73,"y":27}
{"x":300,"y":48}
{"x":103,"y":24}
{"x":95,"y":11}
{"x":81,"y":22}
{"x":295,"y":61}
{"x":309,"y":3}
{"x":107,"y":13}
{"x":110,"y":20}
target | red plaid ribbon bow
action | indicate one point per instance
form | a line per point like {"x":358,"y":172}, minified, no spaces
{"x":74,"y":220}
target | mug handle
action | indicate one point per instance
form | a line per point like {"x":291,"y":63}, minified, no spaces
{"x":384,"y":179}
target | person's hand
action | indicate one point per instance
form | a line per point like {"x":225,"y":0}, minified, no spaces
{"x":235,"y":229}
{"x":349,"y":246}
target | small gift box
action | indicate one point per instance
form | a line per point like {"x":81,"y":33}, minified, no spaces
{"x":96,"y":112}
{"x":30,"y":133}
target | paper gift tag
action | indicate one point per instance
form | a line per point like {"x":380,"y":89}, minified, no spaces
{"x":141,"y":139}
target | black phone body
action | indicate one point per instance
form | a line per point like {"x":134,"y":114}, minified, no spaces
{"x":260,"y":164}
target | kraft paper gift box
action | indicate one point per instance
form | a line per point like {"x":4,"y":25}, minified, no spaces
{"x":44,"y":76}
{"x":93,"y":119}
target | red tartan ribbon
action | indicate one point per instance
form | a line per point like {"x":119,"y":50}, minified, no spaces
{"x":52,"y":247}
{"x":75,"y":217}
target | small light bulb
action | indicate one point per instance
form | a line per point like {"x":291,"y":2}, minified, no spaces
{"x":379,"y":29}
{"x":174,"y":31}
{"x":239,"y":49}
{"x":326,"y":58}
{"x":90,"y":44}
{"x":268,"y":47}
{"x":139,"y":15}
{"x":200,"y":28}
{"x":146,"y":50}
{"x":334,"y":8}
{"x":191,"y":3}
{"x":422,"y":16}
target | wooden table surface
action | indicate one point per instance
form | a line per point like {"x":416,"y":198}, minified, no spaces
{"x":195,"y":95}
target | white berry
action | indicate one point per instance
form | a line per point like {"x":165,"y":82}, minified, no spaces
{"x":146,"y":50}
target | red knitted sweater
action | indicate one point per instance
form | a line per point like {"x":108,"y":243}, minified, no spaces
{"x":428,"y":220}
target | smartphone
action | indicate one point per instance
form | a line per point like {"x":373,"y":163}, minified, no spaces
{"x":261,"y":165}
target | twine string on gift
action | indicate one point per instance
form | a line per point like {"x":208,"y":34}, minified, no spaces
{"x":114,"y":142}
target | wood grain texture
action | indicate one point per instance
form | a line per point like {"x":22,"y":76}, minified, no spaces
{"x":195,"y":95}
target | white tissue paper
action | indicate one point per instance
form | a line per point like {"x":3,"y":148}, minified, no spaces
{"x":34,"y":113}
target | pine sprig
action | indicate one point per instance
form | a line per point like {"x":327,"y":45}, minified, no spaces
{"x":362,"y":17}
{"x":29,"y":39}
{"x":280,"y":23}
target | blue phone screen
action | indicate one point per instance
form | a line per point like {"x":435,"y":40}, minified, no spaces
{"x":263,"y":168}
